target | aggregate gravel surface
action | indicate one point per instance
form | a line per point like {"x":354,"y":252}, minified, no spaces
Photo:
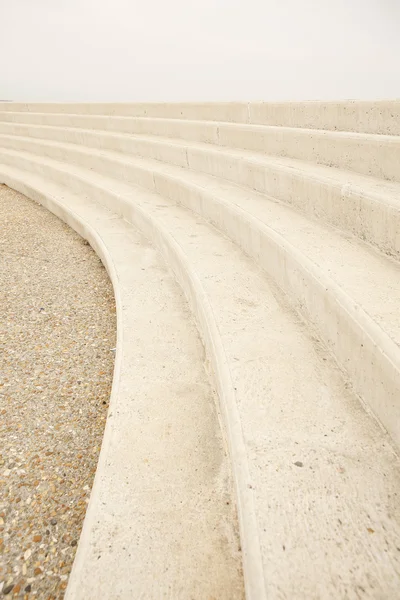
{"x":57,"y":342}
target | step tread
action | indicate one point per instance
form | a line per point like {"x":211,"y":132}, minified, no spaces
{"x":160,"y":391}
{"x":306,"y":414}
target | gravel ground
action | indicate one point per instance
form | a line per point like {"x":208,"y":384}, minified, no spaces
{"x":57,"y":333}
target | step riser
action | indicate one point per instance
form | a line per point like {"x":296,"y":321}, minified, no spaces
{"x":368,"y":155}
{"x":343,"y":206}
{"x":371,"y":360}
{"x":361,"y":116}
{"x":377,"y":156}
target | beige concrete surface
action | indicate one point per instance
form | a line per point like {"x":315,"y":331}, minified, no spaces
{"x":289,"y":265}
{"x":161,"y":522}
{"x":360,"y":320}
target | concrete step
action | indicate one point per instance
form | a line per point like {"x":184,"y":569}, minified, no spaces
{"x":365,"y":206}
{"x":317,"y":478}
{"x":382,"y":116}
{"x":164,"y":477}
{"x":367,"y":154}
{"x":346,"y":290}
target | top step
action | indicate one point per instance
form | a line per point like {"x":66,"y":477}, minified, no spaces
{"x":381,"y":116}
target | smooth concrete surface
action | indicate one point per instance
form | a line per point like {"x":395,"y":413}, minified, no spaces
{"x":290,"y":269}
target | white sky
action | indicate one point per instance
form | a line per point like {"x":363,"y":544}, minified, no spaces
{"x":155,"y":50}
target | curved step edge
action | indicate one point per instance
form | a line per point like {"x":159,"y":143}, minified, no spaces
{"x":177,"y":261}
{"x":87,"y":232}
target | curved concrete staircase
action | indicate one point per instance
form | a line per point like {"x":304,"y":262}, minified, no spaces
{"x":281,"y":225}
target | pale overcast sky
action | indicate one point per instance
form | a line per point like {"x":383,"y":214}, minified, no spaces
{"x":155,"y":50}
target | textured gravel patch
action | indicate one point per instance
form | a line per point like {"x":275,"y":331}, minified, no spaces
{"x":57,"y":332}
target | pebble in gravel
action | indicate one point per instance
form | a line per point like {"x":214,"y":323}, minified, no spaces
{"x":57,"y":329}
